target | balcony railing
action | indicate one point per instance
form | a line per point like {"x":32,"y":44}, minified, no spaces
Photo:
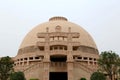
{"x":58,"y":42}
{"x":58,"y":64}
{"x":64,"y":52}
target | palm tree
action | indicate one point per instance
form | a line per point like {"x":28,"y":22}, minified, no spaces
{"x":109,"y":62}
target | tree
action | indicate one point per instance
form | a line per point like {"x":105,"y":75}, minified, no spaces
{"x":17,"y":76}
{"x":6,"y":67}
{"x":83,"y":79}
{"x":97,"y":76}
{"x":109,"y":62}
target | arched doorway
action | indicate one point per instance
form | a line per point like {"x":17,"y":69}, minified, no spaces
{"x":58,"y":76}
{"x":59,"y":71}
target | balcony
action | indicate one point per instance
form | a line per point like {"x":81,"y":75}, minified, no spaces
{"x":40,"y":43}
{"x":58,"y":52}
{"x":58,"y":64}
{"x":58,"y":42}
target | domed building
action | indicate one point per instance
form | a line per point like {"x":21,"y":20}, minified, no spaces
{"x":57,"y":50}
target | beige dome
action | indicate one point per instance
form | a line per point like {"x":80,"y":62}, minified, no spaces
{"x":31,"y":38}
{"x":55,"y":47}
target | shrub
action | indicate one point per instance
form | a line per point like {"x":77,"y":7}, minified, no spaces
{"x":97,"y":76}
{"x":17,"y":76}
{"x":34,"y":79}
{"x":83,"y":79}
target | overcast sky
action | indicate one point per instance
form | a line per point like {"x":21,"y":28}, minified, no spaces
{"x":101,"y":18}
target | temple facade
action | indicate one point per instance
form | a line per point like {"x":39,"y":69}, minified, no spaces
{"x":57,"y":50}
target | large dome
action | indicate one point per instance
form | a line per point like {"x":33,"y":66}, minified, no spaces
{"x":57,"y":47}
{"x":31,"y":38}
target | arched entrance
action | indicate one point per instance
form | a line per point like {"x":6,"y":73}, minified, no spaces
{"x":58,"y":76}
{"x":58,"y":67}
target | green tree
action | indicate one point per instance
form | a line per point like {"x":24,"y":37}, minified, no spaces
{"x":83,"y":79}
{"x":17,"y":76}
{"x":6,"y":67}
{"x":97,"y":76}
{"x":109,"y":63}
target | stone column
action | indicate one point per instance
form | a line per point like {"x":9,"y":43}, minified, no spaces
{"x":88,"y":61}
{"x":46,"y":60}
{"x":46,"y":70}
{"x":70,"y":66}
{"x":70,"y":58}
{"x":70,"y":70}
{"x":93,"y":61}
{"x":28,"y":61}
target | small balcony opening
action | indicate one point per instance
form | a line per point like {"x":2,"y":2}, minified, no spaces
{"x":41,"y":48}
{"x":58,"y":58}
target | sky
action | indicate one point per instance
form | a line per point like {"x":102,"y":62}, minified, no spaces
{"x":101,"y":18}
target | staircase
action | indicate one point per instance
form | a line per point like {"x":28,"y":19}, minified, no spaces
{"x":33,"y":67}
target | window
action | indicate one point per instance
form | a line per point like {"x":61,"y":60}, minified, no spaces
{"x":65,"y":48}
{"x":37,"y":57}
{"x":31,"y":58}
{"x":25,"y":58}
{"x":94,"y":59}
{"x":21,"y":59}
{"x":75,"y":48}
{"x":51,"y":47}
{"x":90,"y":58}
{"x":61,"y":47}
{"x":41,"y":48}
{"x":79,"y":57}
{"x":85,"y":58}
{"x":55,"y":47}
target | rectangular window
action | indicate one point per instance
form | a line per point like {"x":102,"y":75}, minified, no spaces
{"x":85,"y":58}
{"x":31,"y":58}
{"x":25,"y":58}
{"x":79,"y":57}
{"x":75,"y":48}
{"x":90,"y":58}
{"x":37,"y":57}
{"x":65,"y":48}
{"x":41,"y":48}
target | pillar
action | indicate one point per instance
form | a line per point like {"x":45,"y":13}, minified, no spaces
{"x":46,"y":63}
{"x":70,"y":58}
{"x":46,"y":60}
{"x":70,"y":70}
{"x":46,"y":71}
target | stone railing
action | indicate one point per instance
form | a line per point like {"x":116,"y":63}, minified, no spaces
{"x":61,"y":52}
{"x":58,"y":64}
{"x":32,"y":67}
{"x":58,"y":42}
{"x":84,"y":67}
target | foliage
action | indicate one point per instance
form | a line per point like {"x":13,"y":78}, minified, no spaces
{"x":34,"y":79}
{"x":6,"y":67}
{"x":109,"y":63}
{"x":83,"y":79}
{"x":17,"y":76}
{"x":97,"y":76}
